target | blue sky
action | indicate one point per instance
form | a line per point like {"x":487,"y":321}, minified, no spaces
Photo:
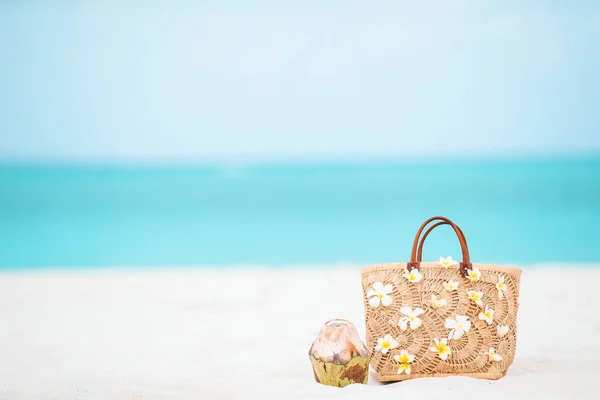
{"x":184,"y":80}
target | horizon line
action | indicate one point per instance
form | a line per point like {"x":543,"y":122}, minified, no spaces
{"x":431,"y":157}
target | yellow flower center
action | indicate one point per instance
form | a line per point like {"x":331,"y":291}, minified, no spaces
{"x":411,"y":318}
{"x":386,"y":344}
{"x":442,"y":348}
{"x":380,"y":295}
{"x":450,"y":286}
{"x":475,"y":296}
{"x":403,"y":358}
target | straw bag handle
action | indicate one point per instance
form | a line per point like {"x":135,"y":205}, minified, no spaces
{"x":465,"y":264}
{"x":427,"y":232}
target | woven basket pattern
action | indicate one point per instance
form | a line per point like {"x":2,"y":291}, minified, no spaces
{"x":468,"y":355}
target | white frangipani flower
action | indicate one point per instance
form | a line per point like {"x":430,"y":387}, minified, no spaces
{"x":487,"y":315}
{"x":386,"y":344}
{"x":413,"y":276}
{"x":447,"y":262}
{"x":492,"y":355}
{"x":473,"y":274}
{"x":380,"y":294}
{"x":502,"y":330}
{"x":450,"y":285}
{"x":437,"y":303}
{"x":501,"y":287}
{"x":404,"y":358}
{"x":441,"y":348}
{"x":411,"y":317}
{"x":475,"y":296}
{"x":458,"y":326}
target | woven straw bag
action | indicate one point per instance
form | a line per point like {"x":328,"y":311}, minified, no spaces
{"x":428,"y":319}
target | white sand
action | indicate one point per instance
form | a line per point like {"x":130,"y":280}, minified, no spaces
{"x":205,"y":334}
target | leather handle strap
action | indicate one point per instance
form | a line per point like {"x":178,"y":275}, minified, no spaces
{"x":427,"y":232}
{"x":465,"y":264}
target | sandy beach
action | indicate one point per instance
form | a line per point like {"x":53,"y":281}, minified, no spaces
{"x":244,"y":333}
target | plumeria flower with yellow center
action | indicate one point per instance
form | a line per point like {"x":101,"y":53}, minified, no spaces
{"x":380,"y":294}
{"x":487,"y":315}
{"x":404,"y":358}
{"x":473,"y":274}
{"x":441,"y":348}
{"x":493,"y":356}
{"x":447,"y":262}
{"x":458,"y":326}
{"x":386,"y":344}
{"x":411,"y":317}
{"x":437,"y":303}
{"x":502,"y":330}
{"x":414,"y":275}
{"x":450,"y":285}
{"x":475,"y":296}
{"x":501,"y":286}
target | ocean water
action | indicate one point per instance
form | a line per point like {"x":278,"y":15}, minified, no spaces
{"x":517,"y":212}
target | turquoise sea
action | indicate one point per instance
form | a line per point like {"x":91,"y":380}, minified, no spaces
{"x":512,"y":211}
